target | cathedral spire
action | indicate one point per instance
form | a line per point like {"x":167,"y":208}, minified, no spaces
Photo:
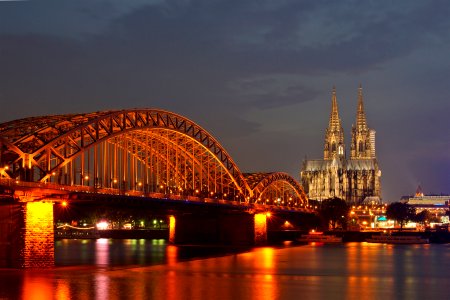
{"x":335,"y":121}
{"x":334,"y":137}
{"x":363,"y":139}
{"x":361,"y":123}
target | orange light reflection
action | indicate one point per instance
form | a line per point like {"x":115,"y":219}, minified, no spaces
{"x":172,"y":221}
{"x":37,"y":288}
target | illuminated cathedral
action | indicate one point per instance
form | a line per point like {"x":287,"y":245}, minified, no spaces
{"x":357,"y":179}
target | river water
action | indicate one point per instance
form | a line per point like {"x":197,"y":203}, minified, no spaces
{"x":151,"y":269}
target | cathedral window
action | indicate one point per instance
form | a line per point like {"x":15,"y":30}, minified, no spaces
{"x":361,"y":146}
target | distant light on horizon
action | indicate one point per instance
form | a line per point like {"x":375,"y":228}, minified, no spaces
{"x":103,"y":225}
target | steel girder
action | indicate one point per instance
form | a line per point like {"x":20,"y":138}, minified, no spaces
{"x":48,"y":143}
{"x":262,"y":182}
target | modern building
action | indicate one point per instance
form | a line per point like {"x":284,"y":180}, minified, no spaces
{"x":420,"y":200}
{"x":437,"y":205}
{"x":353,"y":179}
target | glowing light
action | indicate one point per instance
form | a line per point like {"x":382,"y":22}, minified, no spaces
{"x":74,"y":227}
{"x":86,"y":177}
{"x":172,"y":221}
{"x":39,"y":288}
{"x":260,"y":228}
{"x":171,"y":254}
{"x":64,"y":203}
{"x":268,"y":214}
{"x":39,"y":243}
{"x":140,"y":184}
{"x":103,"y":225}
{"x":115,"y":181}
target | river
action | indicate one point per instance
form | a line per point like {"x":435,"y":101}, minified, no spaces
{"x":151,"y":269}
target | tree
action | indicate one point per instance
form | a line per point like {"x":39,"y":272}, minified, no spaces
{"x":423,"y":217}
{"x":334,"y":211}
{"x":400,"y":212}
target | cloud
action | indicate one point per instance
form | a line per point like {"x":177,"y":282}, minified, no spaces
{"x":237,"y":67}
{"x":251,"y":54}
{"x":74,"y":19}
{"x":272,"y":91}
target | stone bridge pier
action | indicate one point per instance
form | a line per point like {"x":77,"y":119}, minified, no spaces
{"x":238,"y":229}
{"x":27,"y":235}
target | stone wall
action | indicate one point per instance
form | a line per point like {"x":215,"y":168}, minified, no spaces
{"x":27,"y":235}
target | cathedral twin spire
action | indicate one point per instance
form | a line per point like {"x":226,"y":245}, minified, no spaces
{"x":361,"y":122}
{"x":353,"y":179}
{"x":334,"y":136}
{"x":363,"y":139}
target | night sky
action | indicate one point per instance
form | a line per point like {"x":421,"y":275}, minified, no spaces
{"x":257,"y":75}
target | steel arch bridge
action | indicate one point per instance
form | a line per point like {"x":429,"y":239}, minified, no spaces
{"x":134,"y":152}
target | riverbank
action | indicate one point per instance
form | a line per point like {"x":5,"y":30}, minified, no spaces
{"x":439,"y":237}
{"x":112,"y":234}
{"x":360,"y":236}
{"x":272,"y":236}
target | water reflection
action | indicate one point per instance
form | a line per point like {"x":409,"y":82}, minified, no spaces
{"x":37,"y":287}
{"x":146,"y":269}
{"x":62,"y":291}
{"x":102,"y":252}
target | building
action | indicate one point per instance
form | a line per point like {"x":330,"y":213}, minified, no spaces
{"x":422,"y":201}
{"x":352,"y":179}
{"x":436,"y":205}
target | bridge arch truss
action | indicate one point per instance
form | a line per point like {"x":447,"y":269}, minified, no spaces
{"x":276,"y":188}
{"x":139,"y":150}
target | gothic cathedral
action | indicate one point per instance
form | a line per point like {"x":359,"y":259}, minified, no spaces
{"x":356,"y":180}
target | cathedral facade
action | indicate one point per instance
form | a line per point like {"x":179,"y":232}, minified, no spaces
{"x":355,"y":179}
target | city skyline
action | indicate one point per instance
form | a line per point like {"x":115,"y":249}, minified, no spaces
{"x":257,"y":75}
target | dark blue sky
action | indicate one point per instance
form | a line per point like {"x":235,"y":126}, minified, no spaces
{"x":256,"y":74}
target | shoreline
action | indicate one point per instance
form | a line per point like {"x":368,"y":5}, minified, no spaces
{"x":439,"y":237}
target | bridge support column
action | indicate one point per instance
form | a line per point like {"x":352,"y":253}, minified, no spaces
{"x":172,"y":223}
{"x":229,"y":229}
{"x":27,"y":235}
{"x":260,"y":229}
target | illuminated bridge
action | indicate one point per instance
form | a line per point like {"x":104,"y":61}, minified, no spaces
{"x":126,"y":154}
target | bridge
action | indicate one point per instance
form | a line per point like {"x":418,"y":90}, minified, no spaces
{"x":148,"y":156}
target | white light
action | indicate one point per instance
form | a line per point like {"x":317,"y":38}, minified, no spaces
{"x":102,"y":225}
